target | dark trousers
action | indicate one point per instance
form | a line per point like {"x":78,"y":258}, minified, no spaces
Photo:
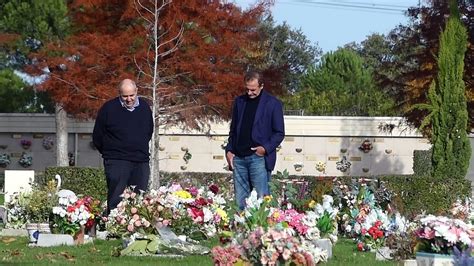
{"x":121,"y":174}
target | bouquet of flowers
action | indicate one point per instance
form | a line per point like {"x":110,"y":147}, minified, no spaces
{"x":197,"y":213}
{"x":267,"y":235}
{"x":326,"y":215}
{"x":16,"y":210}
{"x":71,"y":214}
{"x":136,"y":213}
{"x":439,"y":234}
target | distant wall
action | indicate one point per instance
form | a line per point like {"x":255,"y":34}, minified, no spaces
{"x":308,"y":140}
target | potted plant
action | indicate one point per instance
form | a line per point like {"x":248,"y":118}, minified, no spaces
{"x":437,"y":238}
{"x":38,"y":209}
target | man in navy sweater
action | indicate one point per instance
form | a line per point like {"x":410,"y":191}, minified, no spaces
{"x":122,"y":131}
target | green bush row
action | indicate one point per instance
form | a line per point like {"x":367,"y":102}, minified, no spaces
{"x":412,"y":193}
{"x":82,"y":180}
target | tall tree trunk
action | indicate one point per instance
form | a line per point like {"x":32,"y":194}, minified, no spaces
{"x":155,"y":140}
{"x":61,"y":136}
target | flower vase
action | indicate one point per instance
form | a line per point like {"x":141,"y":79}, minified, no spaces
{"x":33,"y":232}
{"x":79,"y":236}
{"x":92,"y":231}
{"x":324,"y":244}
{"x":432,"y":259}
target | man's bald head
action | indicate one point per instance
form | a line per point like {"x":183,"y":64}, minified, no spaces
{"x":128,"y":92}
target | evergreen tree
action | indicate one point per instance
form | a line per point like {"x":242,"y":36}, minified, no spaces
{"x":340,"y":85}
{"x":449,"y":116}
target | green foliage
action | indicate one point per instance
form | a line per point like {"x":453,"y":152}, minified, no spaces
{"x":80,"y":180}
{"x":43,"y":20}
{"x":16,"y":96}
{"x":288,"y":48}
{"x":421,"y":193}
{"x":449,"y":116}
{"x":340,"y":85}
{"x":40,"y":202}
{"x":325,"y":224}
{"x":422,"y":162}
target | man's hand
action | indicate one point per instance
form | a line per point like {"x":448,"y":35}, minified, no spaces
{"x":230,"y":160}
{"x":259,"y":150}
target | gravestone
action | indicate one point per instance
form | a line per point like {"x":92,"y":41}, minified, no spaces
{"x":16,"y":181}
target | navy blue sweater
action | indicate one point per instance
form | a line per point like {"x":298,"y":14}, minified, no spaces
{"x":123,"y":135}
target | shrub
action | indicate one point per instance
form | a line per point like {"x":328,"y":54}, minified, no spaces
{"x":418,"y":193}
{"x":422,"y":165}
{"x":82,"y":180}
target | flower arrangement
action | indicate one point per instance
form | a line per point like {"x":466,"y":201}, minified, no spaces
{"x":366,"y":146}
{"x":25,"y":160}
{"x":16,"y":210}
{"x":70,"y":215}
{"x":4,"y":160}
{"x":343,"y":165}
{"x":326,"y":215}
{"x":25,"y":143}
{"x":48,"y":143}
{"x":321,"y":166}
{"x":371,"y":239}
{"x":267,"y":235}
{"x":198,"y":213}
{"x":440,"y":234}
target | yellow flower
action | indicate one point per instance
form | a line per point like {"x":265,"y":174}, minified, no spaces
{"x":267,"y":198}
{"x":183,"y":194}
{"x":312,"y":203}
{"x":276,"y":214}
{"x":223,"y":215}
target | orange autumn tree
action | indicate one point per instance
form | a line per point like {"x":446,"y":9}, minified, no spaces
{"x":191,"y":54}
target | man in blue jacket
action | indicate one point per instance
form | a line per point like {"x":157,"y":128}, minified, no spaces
{"x":256,"y":130}
{"x":122,"y":131}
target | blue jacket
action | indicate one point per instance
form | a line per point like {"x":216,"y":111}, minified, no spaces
{"x":268,"y":127}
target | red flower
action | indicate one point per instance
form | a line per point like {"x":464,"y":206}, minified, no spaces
{"x":214,"y":188}
{"x":380,"y":233}
{"x":199,"y":202}
{"x":360,"y":246}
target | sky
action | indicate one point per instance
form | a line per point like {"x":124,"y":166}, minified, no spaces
{"x":333,"y":23}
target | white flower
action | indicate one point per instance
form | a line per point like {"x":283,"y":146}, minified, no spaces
{"x":207,"y":215}
{"x":348,"y":228}
{"x":441,"y":230}
{"x":253,"y":202}
{"x":464,"y":238}
{"x":450,"y":237}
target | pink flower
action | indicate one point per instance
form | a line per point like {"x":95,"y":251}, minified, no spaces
{"x":146,"y":223}
{"x":133,"y":210}
{"x":130,"y":228}
{"x":138,"y":223}
{"x":193,"y":191}
{"x":135,"y":217}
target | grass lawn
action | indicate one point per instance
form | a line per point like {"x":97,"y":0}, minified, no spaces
{"x":345,"y":253}
{"x":15,"y":251}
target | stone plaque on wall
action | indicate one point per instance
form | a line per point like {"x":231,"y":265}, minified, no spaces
{"x":38,"y":136}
